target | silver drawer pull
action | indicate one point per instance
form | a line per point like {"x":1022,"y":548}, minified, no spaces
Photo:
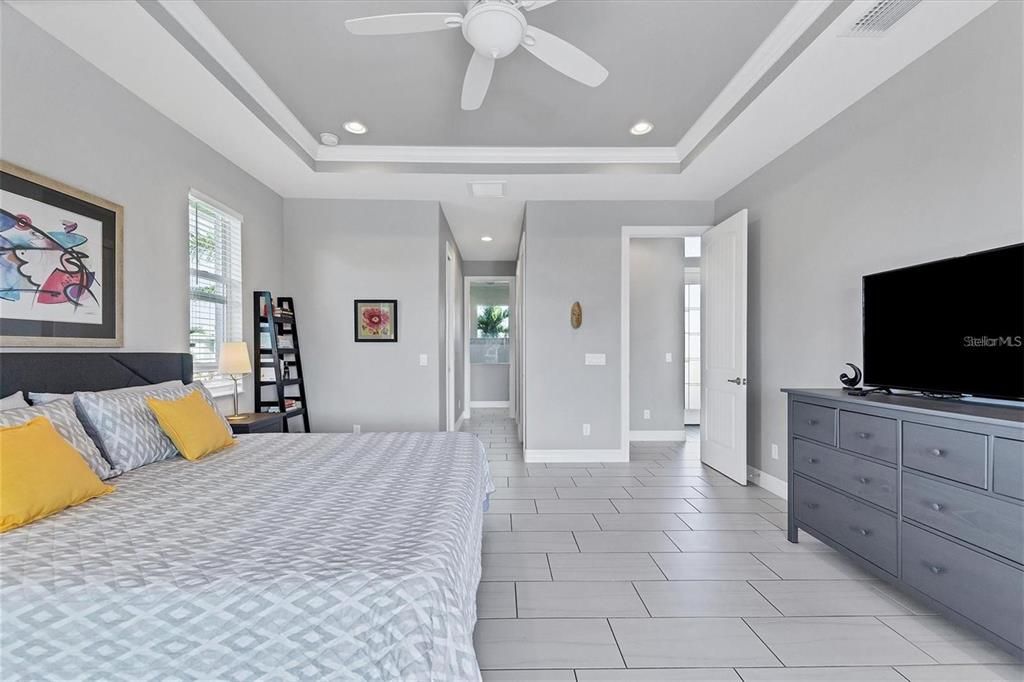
{"x":812,"y":422}
{"x":935,"y":569}
{"x":935,"y":452}
{"x":812,"y":460}
{"x":936,"y":506}
{"x":811,"y":505}
{"x":865,"y":480}
{"x":863,"y":435}
{"x":863,"y":531}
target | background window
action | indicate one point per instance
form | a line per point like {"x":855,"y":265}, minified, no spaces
{"x":215,"y":283}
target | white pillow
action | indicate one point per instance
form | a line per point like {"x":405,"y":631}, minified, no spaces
{"x":13,"y":402}
{"x":43,"y":398}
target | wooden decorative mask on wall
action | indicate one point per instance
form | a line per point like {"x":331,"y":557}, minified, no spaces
{"x":576,"y":315}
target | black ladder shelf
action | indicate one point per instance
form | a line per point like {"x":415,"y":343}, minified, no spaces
{"x":270,"y":324}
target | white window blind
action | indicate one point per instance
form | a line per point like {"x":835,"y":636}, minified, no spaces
{"x":215,"y":283}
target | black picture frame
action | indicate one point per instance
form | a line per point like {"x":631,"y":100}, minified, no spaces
{"x":358,"y":307}
{"x":15,"y":331}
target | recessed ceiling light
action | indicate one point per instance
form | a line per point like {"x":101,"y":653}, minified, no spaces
{"x":329,"y":139}
{"x":486,"y":238}
{"x":355,"y":127}
{"x":641,"y":127}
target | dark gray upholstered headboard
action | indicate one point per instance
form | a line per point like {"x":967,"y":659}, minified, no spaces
{"x":70,"y":372}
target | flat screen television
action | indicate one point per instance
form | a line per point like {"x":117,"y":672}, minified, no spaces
{"x":954,"y":326}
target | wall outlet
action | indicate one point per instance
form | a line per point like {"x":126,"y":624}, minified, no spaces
{"x":356,"y":428}
{"x":775,"y":451}
{"x":647,"y":414}
{"x":424,"y":360}
{"x":594,"y":359}
{"x":668,"y":357}
{"x":586,"y":429}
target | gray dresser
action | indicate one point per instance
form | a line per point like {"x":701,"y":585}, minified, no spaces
{"x":926,"y":494}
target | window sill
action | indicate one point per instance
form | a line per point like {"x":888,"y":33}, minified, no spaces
{"x":221,"y":388}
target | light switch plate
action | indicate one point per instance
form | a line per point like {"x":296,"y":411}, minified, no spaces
{"x":647,"y":414}
{"x":668,"y":357}
{"x":424,"y":360}
{"x":594,"y":359}
{"x":586,"y":429}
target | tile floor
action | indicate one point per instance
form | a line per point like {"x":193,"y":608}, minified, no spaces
{"x":663,"y":569}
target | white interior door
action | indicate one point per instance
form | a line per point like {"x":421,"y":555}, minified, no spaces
{"x":723,"y":409}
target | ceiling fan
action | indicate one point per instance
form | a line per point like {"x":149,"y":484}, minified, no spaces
{"x":495,"y":28}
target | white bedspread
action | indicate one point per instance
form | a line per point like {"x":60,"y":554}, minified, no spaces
{"x":288,"y":556}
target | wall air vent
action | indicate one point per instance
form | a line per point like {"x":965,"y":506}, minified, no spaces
{"x":881,"y":17}
{"x":487,"y":189}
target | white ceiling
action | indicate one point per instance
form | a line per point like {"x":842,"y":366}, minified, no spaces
{"x":499,"y":219}
{"x":801,"y":76}
{"x":666,"y":62}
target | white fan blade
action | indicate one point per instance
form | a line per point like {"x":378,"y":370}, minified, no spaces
{"x":530,"y":5}
{"x":396,"y":24}
{"x":478,"y":79}
{"x":564,"y":57}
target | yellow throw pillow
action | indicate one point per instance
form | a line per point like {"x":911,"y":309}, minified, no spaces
{"x":192,"y":424}
{"x":41,"y":474}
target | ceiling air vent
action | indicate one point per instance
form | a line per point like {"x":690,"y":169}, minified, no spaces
{"x":881,"y":17}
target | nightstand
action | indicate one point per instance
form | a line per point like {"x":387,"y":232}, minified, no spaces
{"x":259,"y":422}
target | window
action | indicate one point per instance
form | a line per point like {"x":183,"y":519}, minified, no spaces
{"x":492,"y":322}
{"x":215,"y":283}
{"x":691,"y":297}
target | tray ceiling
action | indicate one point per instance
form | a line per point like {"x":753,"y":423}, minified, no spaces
{"x":667,"y":62}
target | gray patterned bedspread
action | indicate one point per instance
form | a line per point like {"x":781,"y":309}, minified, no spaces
{"x":286,"y":557}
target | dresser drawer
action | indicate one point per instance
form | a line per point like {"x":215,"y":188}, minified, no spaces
{"x":856,"y":526}
{"x":996,"y":525}
{"x":952,"y":454}
{"x":814,"y":422}
{"x":1008,"y":467}
{"x":985,"y":590}
{"x":854,"y":475}
{"x":867,"y":434}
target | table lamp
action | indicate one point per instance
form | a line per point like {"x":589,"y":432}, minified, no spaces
{"x":234,"y":361}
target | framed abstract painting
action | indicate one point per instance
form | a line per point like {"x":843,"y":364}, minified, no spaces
{"x":376,"y":321}
{"x":61,"y":278}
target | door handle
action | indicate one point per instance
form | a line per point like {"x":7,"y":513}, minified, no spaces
{"x":738,"y":381}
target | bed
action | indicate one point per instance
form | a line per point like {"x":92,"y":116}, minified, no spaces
{"x":287,"y":556}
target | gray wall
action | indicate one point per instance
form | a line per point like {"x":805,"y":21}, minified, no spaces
{"x":926,"y":166}
{"x":489,"y":268}
{"x":656,"y":327}
{"x":65,"y":119}
{"x":337,"y":251}
{"x":445,"y":237}
{"x":573,"y":251}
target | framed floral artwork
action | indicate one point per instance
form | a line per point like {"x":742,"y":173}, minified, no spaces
{"x":60,"y":263}
{"x":376,"y":321}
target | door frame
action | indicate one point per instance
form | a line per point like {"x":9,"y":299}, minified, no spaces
{"x":468,"y":329}
{"x":449,"y":333}
{"x":630,"y":232}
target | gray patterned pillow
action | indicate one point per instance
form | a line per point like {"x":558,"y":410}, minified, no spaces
{"x":125,"y":429}
{"x":62,"y":415}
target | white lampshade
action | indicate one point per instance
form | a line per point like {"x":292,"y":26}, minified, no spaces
{"x":234,"y":358}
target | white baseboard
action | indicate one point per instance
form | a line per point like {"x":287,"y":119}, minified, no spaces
{"x":489,"y":403}
{"x":575,"y":456}
{"x":642,"y":436}
{"x":770,"y":483}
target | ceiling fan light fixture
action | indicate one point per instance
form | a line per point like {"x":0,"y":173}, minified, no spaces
{"x":355,"y":127}
{"x":329,"y":139}
{"x":494,"y":29}
{"x":641,"y":127}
